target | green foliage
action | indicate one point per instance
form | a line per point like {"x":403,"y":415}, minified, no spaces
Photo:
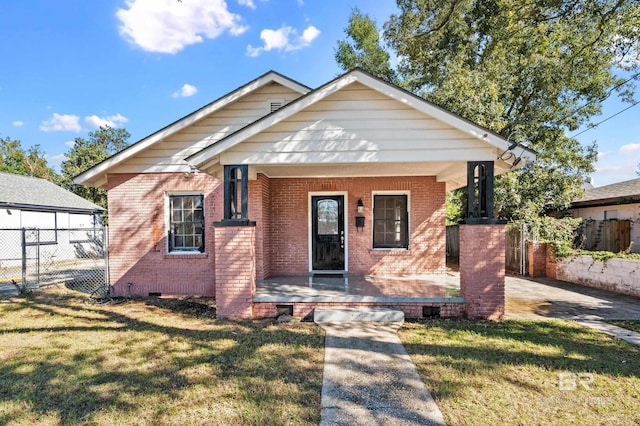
{"x":455,"y":201}
{"x":546,"y":228}
{"x":529,"y":71}
{"x":86,"y":153}
{"x":566,"y":250}
{"x":32,"y":162}
{"x":365,"y":50}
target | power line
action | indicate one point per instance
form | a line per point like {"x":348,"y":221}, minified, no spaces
{"x":606,"y":119}
{"x":606,"y":96}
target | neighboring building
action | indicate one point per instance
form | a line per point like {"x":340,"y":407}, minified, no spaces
{"x":619,"y":201}
{"x":29,"y":202}
{"x":64,"y":220}
{"x":277,"y":179}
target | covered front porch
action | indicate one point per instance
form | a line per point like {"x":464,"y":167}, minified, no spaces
{"x":418,"y":296}
{"x":359,"y":288}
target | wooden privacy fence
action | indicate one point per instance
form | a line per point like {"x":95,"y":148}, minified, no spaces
{"x":453,"y":244}
{"x":606,"y":235}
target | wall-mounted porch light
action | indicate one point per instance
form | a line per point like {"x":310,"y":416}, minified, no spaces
{"x":359,"y":218}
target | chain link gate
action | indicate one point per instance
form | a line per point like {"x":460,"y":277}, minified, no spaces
{"x":34,"y":257}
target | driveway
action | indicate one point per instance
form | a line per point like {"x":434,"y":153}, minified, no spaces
{"x":540,"y":298}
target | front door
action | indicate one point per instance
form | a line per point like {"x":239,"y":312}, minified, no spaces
{"x":327,"y":232}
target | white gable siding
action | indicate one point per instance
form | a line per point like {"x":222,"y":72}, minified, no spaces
{"x":168,"y":155}
{"x":358,"y":124}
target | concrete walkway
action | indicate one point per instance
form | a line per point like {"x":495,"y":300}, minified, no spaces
{"x":544,"y":298}
{"x":541,"y":298}
{"x":368,"y":377}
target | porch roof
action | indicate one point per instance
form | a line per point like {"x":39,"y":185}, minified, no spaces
{"x":359,"y":125}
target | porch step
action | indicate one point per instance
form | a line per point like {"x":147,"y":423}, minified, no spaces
{"x":372,"y":314}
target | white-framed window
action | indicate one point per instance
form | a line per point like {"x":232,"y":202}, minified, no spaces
{"x":391,"y":221}
{"x":186,"y":223}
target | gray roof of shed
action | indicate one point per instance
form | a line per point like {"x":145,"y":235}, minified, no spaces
{"x":616,"y":193}
{"x":34,"y":193}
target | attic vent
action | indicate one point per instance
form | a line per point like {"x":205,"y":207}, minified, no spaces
{"x":275,"y":105}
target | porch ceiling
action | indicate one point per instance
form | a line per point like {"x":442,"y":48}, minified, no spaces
{"x":454,"y":174}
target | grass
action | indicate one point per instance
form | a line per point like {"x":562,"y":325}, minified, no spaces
{"x":514,"y":372}
{"x":153,"y":361}
{"x":170,"y":361}
{"x":628,"y":324}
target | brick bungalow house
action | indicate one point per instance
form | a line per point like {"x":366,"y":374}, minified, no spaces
{"x":275,"y":179}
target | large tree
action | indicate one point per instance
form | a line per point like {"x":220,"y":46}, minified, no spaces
{"x":30,"y":162}
{"x":86,"y":153}
{"x":531,"y":71}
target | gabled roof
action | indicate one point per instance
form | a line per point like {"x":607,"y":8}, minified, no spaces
{"x":97,"y":174}
{"x":617,"y":193}
{"x":26,"y":192}
{"x":204,"y":156}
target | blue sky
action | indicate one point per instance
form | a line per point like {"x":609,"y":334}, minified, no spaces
{"x":72,"y":65}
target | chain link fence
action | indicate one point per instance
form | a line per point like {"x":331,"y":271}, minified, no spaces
{"x":34,"y":257}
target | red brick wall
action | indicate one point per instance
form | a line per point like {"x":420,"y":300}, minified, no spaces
{"x":482,"y":274}
{"x":280,"y":209}
{"x":235,"y":255}
{"x":289,"y":226}
{"x":259,"y":205}
{"x":537,"y":253}
{"x":551,"y":262}
{"x":137,"y":235}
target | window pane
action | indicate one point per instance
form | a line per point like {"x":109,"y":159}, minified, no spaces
{"x":187,"y":221}
{"x":176,"y":215}
{"x":187,"y":203}
{"x":390,"y":216}
{"x":327,"y":217}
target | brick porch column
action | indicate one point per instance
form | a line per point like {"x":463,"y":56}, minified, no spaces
{"x":482,"y":273}
{"x":235,"y":270}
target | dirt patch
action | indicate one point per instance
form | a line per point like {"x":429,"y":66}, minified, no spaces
{"x":200,"y":307}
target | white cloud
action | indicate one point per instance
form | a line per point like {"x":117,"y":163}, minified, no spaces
{"x":185,"y":91}
{"x":631,"y":148}
{"x":310,"y":34}
{"x":111,"y":121}
{"x":618,"y":165}
{"x":167,"y":26}
{"x":70,"y":144}
{"x":55,"y":158}
{"x":284,"y":39}
{"x":17,"y":123}
{"x":61,"y":123}
{"x":249,"y":3}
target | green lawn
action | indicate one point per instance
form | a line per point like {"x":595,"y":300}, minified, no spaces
{"x":169,"y":361}
{"x":149,"y":362}
{"x":526,"y":372}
